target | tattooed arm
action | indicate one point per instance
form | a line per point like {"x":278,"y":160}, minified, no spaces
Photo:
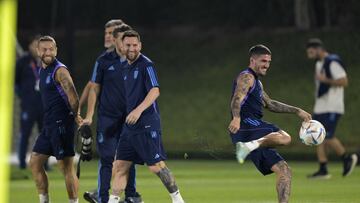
{"x":62,"y":76}
{"x":244,"y":83}
{"x":278,"y":107}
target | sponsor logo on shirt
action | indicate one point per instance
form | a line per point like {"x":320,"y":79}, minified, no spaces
{"x":111,"y":68}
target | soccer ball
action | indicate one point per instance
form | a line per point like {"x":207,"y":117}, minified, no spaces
{"x":312,"y":133}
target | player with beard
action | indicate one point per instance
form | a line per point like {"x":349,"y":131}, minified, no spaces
{"x":253,"y":136}
{"x":140,"y":141}
{"x":60,"y":101}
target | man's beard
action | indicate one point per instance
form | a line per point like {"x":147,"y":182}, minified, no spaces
{"x":133,"y":57}
{"x":49,"y":61}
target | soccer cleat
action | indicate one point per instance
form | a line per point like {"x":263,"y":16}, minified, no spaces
{"x":135,"y":199}
{"x":320,"y":175}
{"x":241,"y":151}
{"x":349,"y":164}
{"x":91,"y":196}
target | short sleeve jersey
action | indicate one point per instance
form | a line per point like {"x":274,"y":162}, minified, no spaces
{"x":139,"y":78}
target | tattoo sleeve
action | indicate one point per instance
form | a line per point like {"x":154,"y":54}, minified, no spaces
{"x":168,"y":179}
{"x":276,"y":106}
{"x":244,"y":83}
{"x":64,"y":78}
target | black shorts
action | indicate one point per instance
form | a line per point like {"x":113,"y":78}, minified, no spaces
{"x":57,"y":139}
{"x":141,"y":148}
{"x":252,"y":129}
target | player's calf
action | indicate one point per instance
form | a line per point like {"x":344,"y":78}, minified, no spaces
{"x":168,"y":180}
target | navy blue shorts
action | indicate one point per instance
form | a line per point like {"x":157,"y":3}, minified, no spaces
{"x":252,"y":129}
{"x":141,"y":148}
{"x":329,"y":121}
{"x":107,"y":136}
{"x":57,"y":139}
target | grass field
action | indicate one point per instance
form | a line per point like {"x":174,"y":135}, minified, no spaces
{"x":209,"y":182}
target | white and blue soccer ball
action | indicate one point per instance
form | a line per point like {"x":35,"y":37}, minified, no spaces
{"x":312,"y":133}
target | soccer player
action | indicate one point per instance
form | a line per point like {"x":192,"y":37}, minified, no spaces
{"x":108,"y":85}
{"x":141,"y":138}
{"x":253,"y":136}
{"x":27,"y":87}
{"x":330,"y":79}
{"x":61,"y":104}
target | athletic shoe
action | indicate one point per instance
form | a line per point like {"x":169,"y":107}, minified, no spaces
{"x":349,"y":164}
{"x":91,"y":196}
{"x":241,"y":151}
{"x":135,"y":199}
{"x":320,"y":175}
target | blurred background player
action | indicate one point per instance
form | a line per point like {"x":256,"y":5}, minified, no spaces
{"x":253,"y":136}
{"x":108,"y":88}
{"x":109,"y":46}
{"x":330,"y":79}
{"x":27,"y":88}
{"x":61,"y":103}
{"x":140,"y":141}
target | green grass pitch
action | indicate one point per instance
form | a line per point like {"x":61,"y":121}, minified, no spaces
{"x":208,"y":182}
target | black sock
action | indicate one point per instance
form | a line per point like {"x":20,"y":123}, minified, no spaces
{"x":344,"y":157}
{"x":323,"y":167}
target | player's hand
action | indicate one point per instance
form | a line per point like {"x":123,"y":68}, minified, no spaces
{"x":234,"y":125}
{"x":133,"y":117}
{"x":78,"y":120}
{"x":304,"y":115}
{"x":87,"y":121}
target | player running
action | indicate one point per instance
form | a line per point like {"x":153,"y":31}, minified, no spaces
{"x":253,"y":136}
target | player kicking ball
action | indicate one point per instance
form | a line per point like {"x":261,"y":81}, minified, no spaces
{"x":252,"y":136}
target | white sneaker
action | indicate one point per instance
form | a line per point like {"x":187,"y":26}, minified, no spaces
{"x":242,"y":151}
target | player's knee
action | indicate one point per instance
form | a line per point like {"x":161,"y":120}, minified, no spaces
{"x":120,"y":168}
{"x":286,"y":171}
{"x":285,"y":139}
{"x":156,"y":168}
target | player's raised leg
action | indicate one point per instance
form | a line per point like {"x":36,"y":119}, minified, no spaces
{"x":280,"y":138}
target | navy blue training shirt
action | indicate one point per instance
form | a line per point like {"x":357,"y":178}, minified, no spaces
{"x":27,"y":82}
{"x":139,"y":78}
{"x":251,"y":106}
{"x":108,"y":73}
{"x":54,"y":99}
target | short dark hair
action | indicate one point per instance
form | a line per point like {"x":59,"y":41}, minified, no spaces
{"x":131,"y":33}
{"x":35,"y":37}
{"x":113,"y":22}
{"x":314,"y":43}
{"x":120,"y":28}
{"x":259,"y":49}
{"x":47,"y":38}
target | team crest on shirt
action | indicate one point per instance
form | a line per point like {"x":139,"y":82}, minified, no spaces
{"x":48,"y":79}
{"x":136,"y":73}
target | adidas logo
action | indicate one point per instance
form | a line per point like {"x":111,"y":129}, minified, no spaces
{"x":157,"y":156}
{"x":111,"y":68}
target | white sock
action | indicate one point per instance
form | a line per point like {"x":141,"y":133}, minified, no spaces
{"x":252,"y":145}
{"x":114,"y":199}
{"x":176,"y":197}
{"x":74,"y":200}
{"x":44,"y":198}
